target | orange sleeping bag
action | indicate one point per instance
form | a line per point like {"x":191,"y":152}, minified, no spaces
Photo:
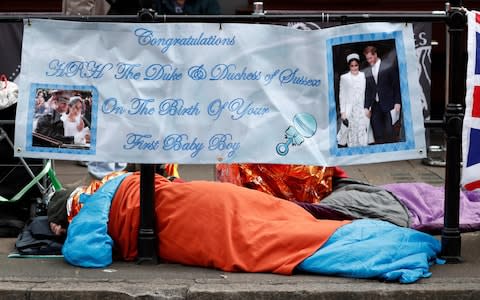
{"x":219,"y":225}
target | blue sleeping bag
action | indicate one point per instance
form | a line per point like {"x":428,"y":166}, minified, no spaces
{"x":88,"y":243}
{"x":375,"y":249}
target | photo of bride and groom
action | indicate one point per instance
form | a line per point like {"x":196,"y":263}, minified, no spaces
{"x":368,"y":101}
{"x":62,"y":119}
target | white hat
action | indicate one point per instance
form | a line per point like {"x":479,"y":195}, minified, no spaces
{"x":353,"y":56}
{"x":74,"y":99}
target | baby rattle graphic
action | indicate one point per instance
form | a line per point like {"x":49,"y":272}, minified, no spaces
{"x":304,"y":126}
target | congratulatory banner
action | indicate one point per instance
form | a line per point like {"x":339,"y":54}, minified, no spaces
{"x":205,"y":93}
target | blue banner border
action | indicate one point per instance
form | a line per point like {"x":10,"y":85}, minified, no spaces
{"x":409,"y":142}
{"x":31,"y":113}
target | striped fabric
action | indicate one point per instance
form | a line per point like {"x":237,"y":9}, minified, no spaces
{"x":471,"y":123}
{"x":73,"y":202}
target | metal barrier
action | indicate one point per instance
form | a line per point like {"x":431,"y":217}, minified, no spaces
{"x":455,"y":18}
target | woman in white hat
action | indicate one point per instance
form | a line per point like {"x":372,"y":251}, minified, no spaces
{"x":354,"y":126}
{"x":73,"y":123}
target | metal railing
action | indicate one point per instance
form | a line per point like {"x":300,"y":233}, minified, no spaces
{"x":454,"y":18}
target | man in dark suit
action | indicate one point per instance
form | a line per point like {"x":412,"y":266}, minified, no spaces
{"x":382,"y":96}
{"x":50,"y":125}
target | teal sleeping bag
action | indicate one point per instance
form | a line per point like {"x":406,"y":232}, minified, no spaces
{"x":88,"y":243}
{"x":375,"y":249}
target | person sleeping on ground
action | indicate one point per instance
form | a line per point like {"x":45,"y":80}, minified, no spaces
{"x":328,"y":192}
{"x":235,"y":229}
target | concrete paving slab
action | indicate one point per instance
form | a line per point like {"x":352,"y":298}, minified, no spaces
{"x":397,"y":171}
{"x":55,"y":279}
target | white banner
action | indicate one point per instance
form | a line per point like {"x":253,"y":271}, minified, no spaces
{"x":208,"y":93}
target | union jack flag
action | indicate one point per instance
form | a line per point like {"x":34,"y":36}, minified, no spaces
{"x":471,"y":122}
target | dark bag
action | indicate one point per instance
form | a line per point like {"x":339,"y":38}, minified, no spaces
{"x":37,"y":239}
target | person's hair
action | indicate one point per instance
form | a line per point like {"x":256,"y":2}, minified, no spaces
{"x":62,"y":99}
{"x":370,"y":49}
{"x":74,"y":100}
{"x":353,"y":59}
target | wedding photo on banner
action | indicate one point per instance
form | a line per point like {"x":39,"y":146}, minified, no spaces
{"x":423,"y":45}
{"x":258,"y":93}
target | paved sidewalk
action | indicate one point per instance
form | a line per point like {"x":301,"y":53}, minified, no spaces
{"x":380,"y":173}
{"x":400,"y":171}
{"x":55,"y":279}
